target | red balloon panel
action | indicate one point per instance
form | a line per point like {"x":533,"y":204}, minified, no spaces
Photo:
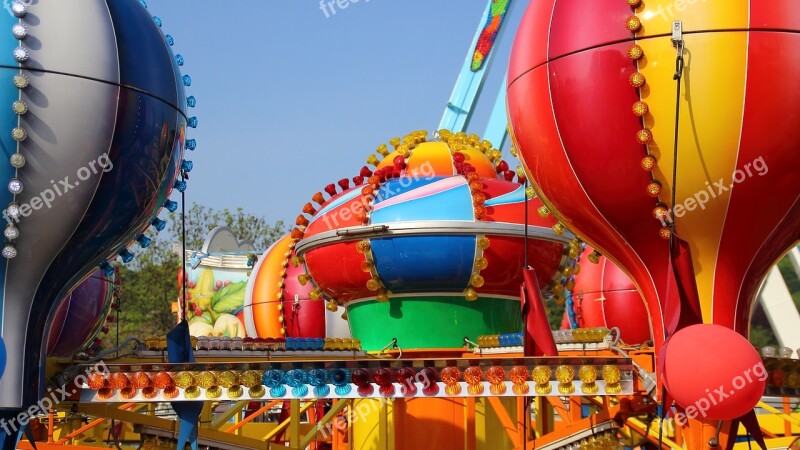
{"x":505,"y":256}
{"x":336,"y":268}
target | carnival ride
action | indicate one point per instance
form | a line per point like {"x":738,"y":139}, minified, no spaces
{"x":406,"y":309}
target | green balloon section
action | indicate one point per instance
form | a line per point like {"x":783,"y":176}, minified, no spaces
{"x":440,"y":321}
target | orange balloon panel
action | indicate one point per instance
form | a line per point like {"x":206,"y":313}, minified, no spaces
{"x":261,"y":307}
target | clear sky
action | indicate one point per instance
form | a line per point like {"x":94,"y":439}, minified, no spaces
{"x":289,"y":100}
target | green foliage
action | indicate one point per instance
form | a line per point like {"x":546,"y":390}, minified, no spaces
{"x":150,"y":286}
{"x":761,"y":336}
{"x":555,"y":314}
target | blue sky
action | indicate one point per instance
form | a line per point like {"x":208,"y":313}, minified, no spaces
{"x":289,"y":100}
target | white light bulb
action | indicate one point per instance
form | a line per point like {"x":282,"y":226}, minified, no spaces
{"x":15,"y":186}
{"x":11,"y":232}
{"x":9,"y":251}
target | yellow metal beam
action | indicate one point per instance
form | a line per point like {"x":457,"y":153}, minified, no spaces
{"x":335,"y":409}
{"x":286,"y":422}
{"x":252,"y":416}
{"x":111,"y":412}
{"x":226,"y":416}
{"x":505,"y":420}
{"x":640,"y":427}
{"x":294,"y":423}
{"x":785,"y":417}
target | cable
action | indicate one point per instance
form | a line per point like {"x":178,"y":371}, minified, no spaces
{"x":184,"y":303}
{"x":677,"y":77}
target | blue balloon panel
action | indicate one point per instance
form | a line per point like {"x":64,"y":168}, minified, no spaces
{"x":408,"y":200}
{"x":145,"y":59}
{"x":424,"y":263}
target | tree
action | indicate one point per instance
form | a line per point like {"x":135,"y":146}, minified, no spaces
{"x":150,"y":285}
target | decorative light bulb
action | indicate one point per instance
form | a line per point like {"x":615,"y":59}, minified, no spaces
{"x":633,"y":24}
{"x":179,"y":59}
{"x":17,"y":160}
{"x":187,"y":166}
{"x":170,"y":40}
{"x":635,"y":52}
{"x":15,"y":186}
{"x":476,"y":280}
{"x":541,"y":376}
{"x":19,"y":31}
{"x":190,"y":144}
{"x":639,"y":108}
{"x":18,"y":134}
{"x":157,"y":20}
{"x":20,"y":81}
{"x":768,"y":351}
{"x":158,"y":224}
{"x":180,"y":185}
{"x":126,"y":255}
{"x":108,"y":269}
{"x":785,"y":352}
{"x":143,"y":240}
{"x":192,"y":122}
{"x":170,"y":205}
{"x":18,"y":8}
{"x":191,"y":102}
{"x":565,"y":375}
{"x":21,"y":54}
{"x":11,"y":232}
{"x":187,"y":80}
{"x":9,"y":251}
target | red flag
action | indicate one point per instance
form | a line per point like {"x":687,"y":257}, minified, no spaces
{"x":538,"y":336}
{"x":682,"y":305}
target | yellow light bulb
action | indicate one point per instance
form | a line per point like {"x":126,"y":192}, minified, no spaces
{"x":565,"y":375}
{"x":541,"y":376}
{"x":470,"y":295}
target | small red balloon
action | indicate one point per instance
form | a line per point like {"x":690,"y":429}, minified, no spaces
{"x":605,"y":297}
{"x":713,"y":372}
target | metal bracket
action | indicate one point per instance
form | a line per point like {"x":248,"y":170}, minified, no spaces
{"x":677,"y":33}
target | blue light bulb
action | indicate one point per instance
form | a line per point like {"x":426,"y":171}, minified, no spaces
{"x":144,"y":3}
{"x":157,"y":21}
{"x":300,"y":391}
{"x":187,"y":166}
{"x":296,"y":377}
{"x":191,"y":102}
{"x":180,"y":185}
{"x":187,"y":80}
{"x":339,"y":377}
{"x":322,"y":391}
{"x":272,"y":378}
{"x":277,"y":392}
{"x":126,"y":255}
{"x":192,"y":122}
{"x":108,"y":269}
{"x":171,"y":206}
{"x":317,"y":377}
{"x":190,"y":144}
{"x":143,"y":240}
{"x":169,"y":40}
{"x":158,"y":224}
{"x":179,"y":59}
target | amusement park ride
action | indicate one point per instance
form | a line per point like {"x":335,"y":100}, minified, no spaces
{"x":407,"y":308}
